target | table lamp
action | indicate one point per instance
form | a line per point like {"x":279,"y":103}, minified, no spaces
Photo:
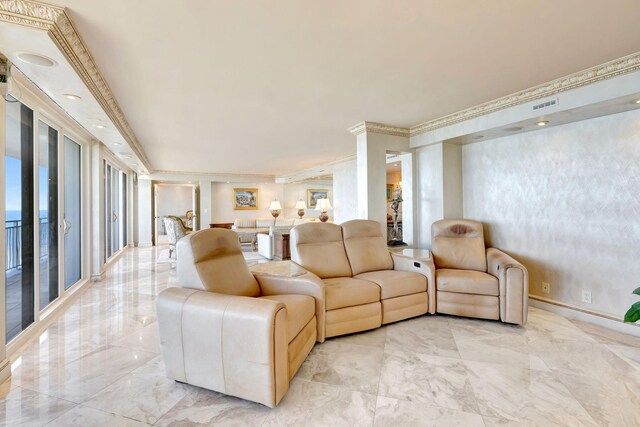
{"x":301,"y":206}
{"x":323,"y":206}
{"x":275,"y":208}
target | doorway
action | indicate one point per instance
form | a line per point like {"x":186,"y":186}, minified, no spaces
{"x":174,"y":199}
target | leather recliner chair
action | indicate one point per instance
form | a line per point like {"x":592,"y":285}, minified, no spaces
{"x":230,"y":331}
{"x":365,"y":285}
{"x":472,"y":281}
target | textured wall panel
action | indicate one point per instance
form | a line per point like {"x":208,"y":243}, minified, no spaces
{"x":566,"y":202}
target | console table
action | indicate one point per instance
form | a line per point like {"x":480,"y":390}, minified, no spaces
{"x":281,"y":246}
{"x":226,"y":225}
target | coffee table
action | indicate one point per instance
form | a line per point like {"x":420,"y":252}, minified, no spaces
{"x":249,"y":234}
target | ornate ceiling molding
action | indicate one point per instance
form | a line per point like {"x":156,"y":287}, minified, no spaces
{"x":57,"y":23}
{"x":624,"y":65}
{"x":373,"y":127}
{"x":214,"y":174}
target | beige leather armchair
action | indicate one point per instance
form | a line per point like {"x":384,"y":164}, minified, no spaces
{"x":475,"y":282}
{"x":364,"y":286}
{"x":228,"y":332}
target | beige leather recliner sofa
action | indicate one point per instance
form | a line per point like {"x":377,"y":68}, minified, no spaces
{"x":230,"y":331}
{"x":475,"y":282}
{"x":365,"y":286}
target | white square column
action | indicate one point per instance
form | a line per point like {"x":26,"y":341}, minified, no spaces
{"x":373,"y":141}
{"x":205,"y":203}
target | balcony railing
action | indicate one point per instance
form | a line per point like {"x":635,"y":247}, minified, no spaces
{"x":13,"y":243}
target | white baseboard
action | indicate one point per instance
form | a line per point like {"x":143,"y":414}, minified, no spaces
{"x":5,"y":370}
{"x":585,"y":315}
{"x":98,"y":277}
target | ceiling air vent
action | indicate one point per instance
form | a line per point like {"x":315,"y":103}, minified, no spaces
{"x":545,"y":104}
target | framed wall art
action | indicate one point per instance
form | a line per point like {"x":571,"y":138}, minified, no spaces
{"x":245,"y":199}
{"x":314,"y":195}
{"x":389,"y":192}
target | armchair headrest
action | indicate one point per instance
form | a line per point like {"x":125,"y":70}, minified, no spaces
{"x":459,"y":244}
{"x":318,"y":247}
{"x":212,"y":260}
{"x":366,"y":246}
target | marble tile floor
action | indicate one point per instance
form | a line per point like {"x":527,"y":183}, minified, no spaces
{"x":99,"y":365}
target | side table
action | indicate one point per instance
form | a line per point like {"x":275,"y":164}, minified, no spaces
{"x":281,"y":246}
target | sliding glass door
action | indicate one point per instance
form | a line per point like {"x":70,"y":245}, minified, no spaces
{"x":48,"y":213}
{"x":43,"y":252}
{"x":20,"y":209}
{"x":72,"y":213}
{"x":115,"y":191}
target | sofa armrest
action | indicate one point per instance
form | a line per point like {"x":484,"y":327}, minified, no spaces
{"x":231,"y":344}
{"x":514,"y":286}
{"x":287,"y":277}
{"x":422,"y":264}
{"x":265,"y":245}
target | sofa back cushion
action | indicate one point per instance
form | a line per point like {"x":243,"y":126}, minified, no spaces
{"x":366,"y":247}
{"x":211,"y":260}
{"x":458,"y":243}
{"x":318,"y":247}
{"x":279,"y":230}
{"x":265,"y":223}
{"x":283,"y":222}
{"x":245,"y":223}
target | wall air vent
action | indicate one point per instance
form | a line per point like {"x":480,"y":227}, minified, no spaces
{"x":546,"y":104}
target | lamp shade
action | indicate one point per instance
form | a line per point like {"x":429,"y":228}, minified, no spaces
{"x":300,"y":204}
{"x":275,"y":206}
{"x":323,"y":205}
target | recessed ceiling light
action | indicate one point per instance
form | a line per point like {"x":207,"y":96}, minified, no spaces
{"x":126,"y":156}
{"x":637,"y":101}
{"x":71,"y":96}
{"x":36,"y":59}
{"x":514,"y":129}
{"x":117,"y":144}
{"x":134,"y":164}
{"x":543,"y":123}
{"x":100,"y":126}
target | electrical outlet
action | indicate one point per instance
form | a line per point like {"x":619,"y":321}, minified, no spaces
{"x":546,"y":288}
{"x":586,"y":297}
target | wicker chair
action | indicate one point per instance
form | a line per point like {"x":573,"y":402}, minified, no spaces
{"x":175,"y":231}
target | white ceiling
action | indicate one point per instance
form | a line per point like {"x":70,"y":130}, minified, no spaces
{"x":58,"y":80}
{"x":271,"y":87}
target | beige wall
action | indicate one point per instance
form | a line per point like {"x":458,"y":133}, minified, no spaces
{"x":222,"y":200}
{"x":566,"y":202}
{"x":174,"y":200}
{"x":345,"y":191}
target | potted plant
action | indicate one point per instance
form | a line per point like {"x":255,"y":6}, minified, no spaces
{"x":633,"y":314}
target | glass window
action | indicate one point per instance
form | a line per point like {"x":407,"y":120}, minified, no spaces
{"x":72,"y":225}
{"x":19,"y":211}
{"x":48,"y":210}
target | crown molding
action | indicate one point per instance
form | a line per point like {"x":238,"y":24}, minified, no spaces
{"x":213,"y":174}
{"x":58,"y":25}
{"x":608,"y":70}
{"x":381,"y":128}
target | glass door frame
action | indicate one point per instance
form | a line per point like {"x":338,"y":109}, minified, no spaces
{"x":60,"y":195}
{"x":48,"y":113}
{"x":115,"y":173}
